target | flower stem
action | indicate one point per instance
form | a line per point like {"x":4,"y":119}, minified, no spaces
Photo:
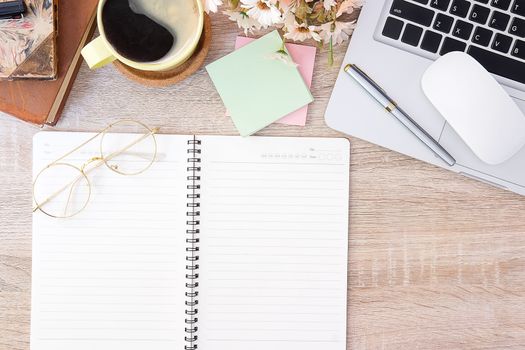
{"x":331,"y":53}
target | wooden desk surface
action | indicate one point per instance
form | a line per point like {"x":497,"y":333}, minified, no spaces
{"x":437,"y":261}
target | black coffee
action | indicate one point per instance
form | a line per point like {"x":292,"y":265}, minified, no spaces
{"x":134,"y":35}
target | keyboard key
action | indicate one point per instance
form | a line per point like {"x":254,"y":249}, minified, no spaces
{"x":502,"y":43}
{"x":431,"y":41}
{"x":460,"y":8}
{"x":497,"y":64}
{"x":519,"y":49}
{"x":443,"y":23}
{"x":440,"y":4}
{"x":483,"y":1}
{"x":482,"y":36}
{"x":450,"y":45}
{"x":517,"y":27}
{"x":424,"y":2}
{"x":393,"y":28}
{"x":518,"y":7}
{"x":500,"y":4}
{"x":499,"y":20}
{"x":462,"y":30}
{"x":412,"y":12}
{"x":412,"y":34}
{"x":479,"y":14}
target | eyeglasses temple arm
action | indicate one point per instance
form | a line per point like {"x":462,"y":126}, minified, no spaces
{"x":101,"y":161}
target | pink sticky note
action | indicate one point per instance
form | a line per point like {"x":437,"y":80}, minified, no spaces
{"x":304,"y":56}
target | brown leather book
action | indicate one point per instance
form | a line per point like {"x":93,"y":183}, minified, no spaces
{"x":39,"y":101}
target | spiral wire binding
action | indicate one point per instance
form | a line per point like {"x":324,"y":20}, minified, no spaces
{"x":192,"y":240}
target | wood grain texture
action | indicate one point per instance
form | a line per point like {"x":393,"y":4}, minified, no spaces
{"x":437,"y":261}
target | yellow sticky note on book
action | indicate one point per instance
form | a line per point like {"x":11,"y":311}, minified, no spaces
{"x":256,"y":87}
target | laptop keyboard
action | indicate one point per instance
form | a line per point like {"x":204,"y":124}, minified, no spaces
{"x":491,"y":31}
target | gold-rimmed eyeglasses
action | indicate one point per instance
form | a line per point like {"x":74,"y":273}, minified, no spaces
{"x":62,"y":189}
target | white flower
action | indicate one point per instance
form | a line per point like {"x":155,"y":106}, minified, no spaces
{"x":348,"y":6}
{"x":263,"y":11}
{"x":244,"y":21}
{"x":212,"y":5}
{"x":327,"y":4}
{"x":301,"y":32}
{"x":289,"y":19}
{"x":357,"y":3}
{"x":337,"y":31}
{"x":287,"y":5}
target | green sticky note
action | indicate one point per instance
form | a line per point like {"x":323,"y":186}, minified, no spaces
{"x":256,"y":87}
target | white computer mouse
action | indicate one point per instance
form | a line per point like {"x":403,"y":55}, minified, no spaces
{"x":476,"y":106}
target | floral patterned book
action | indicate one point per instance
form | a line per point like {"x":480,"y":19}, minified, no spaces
{"x":28,"y":44}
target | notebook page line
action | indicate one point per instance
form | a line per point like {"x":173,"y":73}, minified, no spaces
{"x":247,"y":234}
{"x":117,"y":263}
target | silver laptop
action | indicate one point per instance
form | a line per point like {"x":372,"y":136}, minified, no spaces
{"x":396,"y":40}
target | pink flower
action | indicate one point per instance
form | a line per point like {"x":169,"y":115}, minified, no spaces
{"x":286,"y":3}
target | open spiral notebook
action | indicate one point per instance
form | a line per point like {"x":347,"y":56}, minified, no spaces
{"x":224,"y":243}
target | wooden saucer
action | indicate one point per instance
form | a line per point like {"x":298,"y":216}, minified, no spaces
{"x":170,"y":77}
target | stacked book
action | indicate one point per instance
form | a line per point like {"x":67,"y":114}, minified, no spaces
{"x":40,"y":56}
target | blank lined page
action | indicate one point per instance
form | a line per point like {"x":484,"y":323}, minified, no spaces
{"x":112,"y":277}
{"x":274,"y":243}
